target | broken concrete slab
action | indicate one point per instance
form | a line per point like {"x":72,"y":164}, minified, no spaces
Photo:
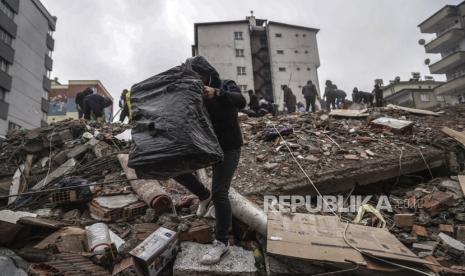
{"x":352,"y":113}
{"x":459,"y":136}
{"x":394,"y":124}
{"x":67,"y":239}
{"x":413,"y":110}
{"x":58,"y":172}
{"x":237,"y":262}
{"x":9,"y":226}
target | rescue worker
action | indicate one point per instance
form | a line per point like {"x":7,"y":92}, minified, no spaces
{"x":340,"y":97}
{"x":289,"y":99}
{"x":310,"y":94}
{"x":329,"y":95}
{"x":253,"y":101}
{"x":94,"y":107}
{"x":79,"y":100}
{"x":223,"y":99}
{"x":378,"y":93}
{"x":124,"y":104}
{"x":355,"y":95}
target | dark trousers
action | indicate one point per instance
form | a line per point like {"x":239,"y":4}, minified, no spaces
{"x":80,"y":112}
{"x":330,"y":102}
{"x":124,"y":113}
{"x":223,"y":173}
{"x":379,"y":101}
{"x":290,"y":108}
{"x":310,"y":101}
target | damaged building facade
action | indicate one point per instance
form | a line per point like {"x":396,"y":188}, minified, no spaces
{"x":26,"y":47}
{"x":260,"y":55}
{"x":449,"y":27}
{"x":62,"y":104}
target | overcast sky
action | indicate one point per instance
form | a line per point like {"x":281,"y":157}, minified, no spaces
{"x":122,"y":42}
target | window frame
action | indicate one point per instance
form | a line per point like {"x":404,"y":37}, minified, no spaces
{"x":282,"y":69}
{"x":425,"y":97}
{"x":240,"y":53}
{"x":241,"y":71}
{"x":238,"y":35}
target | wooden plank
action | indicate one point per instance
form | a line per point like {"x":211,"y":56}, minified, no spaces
{"x":413,"y":110}
{"x":459,"y":136}
{"x":462,"y":183}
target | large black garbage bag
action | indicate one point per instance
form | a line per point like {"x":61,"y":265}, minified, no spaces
{"x":172,"y":133}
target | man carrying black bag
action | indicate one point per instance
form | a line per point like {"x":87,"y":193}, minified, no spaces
{"x":223,"y":99}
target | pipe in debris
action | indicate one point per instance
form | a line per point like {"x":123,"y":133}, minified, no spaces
{"x":242,"y":208}
{"x":149,"y":191}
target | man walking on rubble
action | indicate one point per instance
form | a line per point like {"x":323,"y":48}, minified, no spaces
{"x":378,"y":93}
{"x":223,"y":99}
{"x":79,"y":100}
{"x":125,"y":105}
{"x":94,"y":107}
{"x":340,"y":96}
{"x":329,"y":95}
{"x":310,"y":93}
{"x":290,"y":101}
{"x":253,"y":101}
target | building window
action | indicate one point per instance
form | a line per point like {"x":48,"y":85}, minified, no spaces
{"x":243,"y":87}
{"x":304,"y":35}
{"x":4,"y":65}
{"x":5,"y":37}
{"x":424,"y":97}
{"x":306,"y":51}
{"x":2,"y":95}
{"x":296,"y":51}
{"x":238,"y":36}
{"x":298,"y":68}
{"x":12,"y":125}
{"x":282,"y":69}
{"x":240,"y":70}
{"x":239,"y":52}
{"x":280,"y":52}
{"x":296,"y":35}
{"x":440,"y":98}
{"x":6,"y":10}
{"x":308,"y":68}
{"x":278,"y":35}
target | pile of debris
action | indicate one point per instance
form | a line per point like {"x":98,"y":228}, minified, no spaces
{"x":72,"y":206}
{"x":344,"y":150}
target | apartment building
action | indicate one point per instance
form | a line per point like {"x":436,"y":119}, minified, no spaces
{"x":448,"y":24}
{"x":415,"y":93}
{"x":62,"y":104}
{"x":260,"y":55}
{"x":26,"y":46}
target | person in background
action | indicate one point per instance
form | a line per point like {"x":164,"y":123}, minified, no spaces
{"x":124,"y":104}
{"x":94,"y":107}
{"x":355,"y":95}
{"x":79,"y":100}
{"x":289,"y":99}
{"x":329,"y":95}
{"x":300,"y":107}
{"x":378,"y":93}
{"x":223,"y":100}
{"x":253,"y":101}
{"x":310,"y":94}
{"x":340,"y":98}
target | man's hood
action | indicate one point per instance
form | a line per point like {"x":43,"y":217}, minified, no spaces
{"x":201,"y":66}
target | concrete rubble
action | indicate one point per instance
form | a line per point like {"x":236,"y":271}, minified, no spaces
{"x":71,"y":206}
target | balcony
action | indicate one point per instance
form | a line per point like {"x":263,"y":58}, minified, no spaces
{"x":5,"y":81}
{"x":44,"y":105}
{"x":447,"y":63}
{"x":3,"y":110}
{"x":451,"y":87}
{"x":50,"y":42}
{"x":438,"y":21}
{"x":446,"y":40}
{"x":8,"y":24}
{"x":48,"y":62}
{"x":6,"y":52}
{"x":47,"y":84}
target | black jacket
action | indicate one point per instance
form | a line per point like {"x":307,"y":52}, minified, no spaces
{"x":95,"y":104}
{"x":223,"y":111}
{"x":309,"y":90}
{"x":79,"y":100}
{"x":253,"y":104}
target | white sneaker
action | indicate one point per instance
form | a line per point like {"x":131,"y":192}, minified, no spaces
{"x":203,"y":206}
{"x":214,"y":253}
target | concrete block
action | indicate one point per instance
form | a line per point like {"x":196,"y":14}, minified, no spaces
{"x":237,"y":262}
{"x":404,"y":220}
{"x":461,"y":233}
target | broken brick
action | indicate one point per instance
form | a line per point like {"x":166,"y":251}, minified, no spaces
{"x":200,"y":234}
{"x":419,"y":231}
{"x":404,"y":220}
{"x":446,"y":228}
{"x":436,"y":202}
